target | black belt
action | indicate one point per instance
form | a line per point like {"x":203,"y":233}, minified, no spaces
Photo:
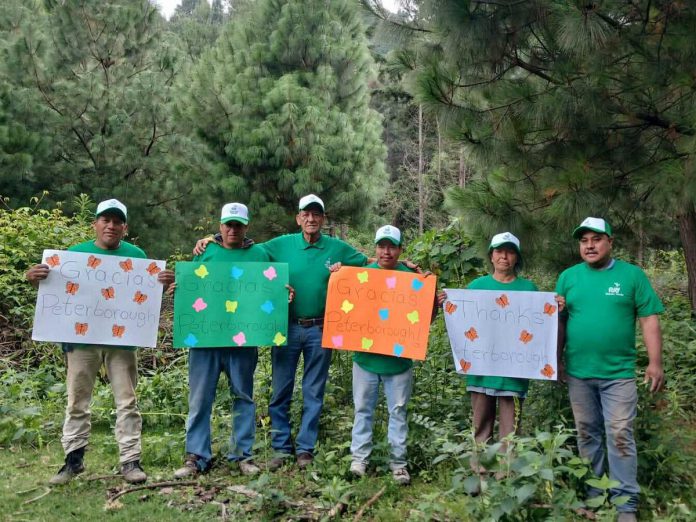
{"x":311,"y":321}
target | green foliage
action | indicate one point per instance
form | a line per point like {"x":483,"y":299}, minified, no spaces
{"x":94,"y":114}
{"x":29,"y":405}
{"x":447,"y":253}
{"x":24,"y":234}
{"x":537,"y":478}
{"x":281,"y":101}
{"x":568,"y":109}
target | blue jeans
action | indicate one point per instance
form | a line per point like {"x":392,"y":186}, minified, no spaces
{"x":607,"y":408}
{"x":205,"y":366}
{"x":397,"y":389}
{"x":306,"y":342}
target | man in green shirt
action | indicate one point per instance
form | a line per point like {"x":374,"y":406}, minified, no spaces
{"x":604,"y":296}
{"x":84,"y":362}
{"x":395,"y":374}
{"x":309,"y":255}
{"x":239,"y":364}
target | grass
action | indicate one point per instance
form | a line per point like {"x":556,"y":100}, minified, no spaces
{"x":288,"y":493}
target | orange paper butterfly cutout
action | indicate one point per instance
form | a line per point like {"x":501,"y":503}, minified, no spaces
{"x":525,"y":336}
{"x":108,"y":293}
{"x":471,"y":334}
{"x":549,"y":309}
{"x":153,"y":269}
{"x":450,"y":308}
{"x":502,"y":301}
{"x":93,"y":262}
{"x":466,"y":365}
{"x":126,"y":265}
{"x":547,"y":371}
{"x":81,"y":328}
{"x":139,"y":297}
{"x":71,"y":288}
{"x":53,"y":260}
{"x":117,"y":330}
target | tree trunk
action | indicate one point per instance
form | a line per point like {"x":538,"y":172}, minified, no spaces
{"x":687,"y":233}
{"x":462,"y":168}
{"x":421,"y":173}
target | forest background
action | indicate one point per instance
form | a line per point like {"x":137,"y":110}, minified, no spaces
{"x":452,"y":120}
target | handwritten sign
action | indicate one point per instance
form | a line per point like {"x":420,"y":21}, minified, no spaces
{"x":507,"y":334}
{"x":379,"y":311}
{"x":225,"y":304}
{"x":97,"y":299}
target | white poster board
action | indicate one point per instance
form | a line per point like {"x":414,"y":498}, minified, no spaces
{"x":93,"y":299}
{"x":507,"y":334}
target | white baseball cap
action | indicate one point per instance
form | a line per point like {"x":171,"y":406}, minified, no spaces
{"x":113,"y":206}
{"x":310,"y":199}
{"x":235,"y":212}
{"x":595,"y":225}
{"x":505,"y":238}
{"x":389,"y":232}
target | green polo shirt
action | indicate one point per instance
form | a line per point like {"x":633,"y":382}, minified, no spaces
{"x":376,"y":362}
{"x":601,"y":307}
{"x":487,"y":381}
{"x":124,"y":249}
{"x":308,"y":265}
{"x":215,"y":253}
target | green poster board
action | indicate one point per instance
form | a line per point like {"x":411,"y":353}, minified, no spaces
{"x":230,"y":304}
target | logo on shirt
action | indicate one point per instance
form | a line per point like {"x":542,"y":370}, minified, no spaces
{"x":615,"y":290}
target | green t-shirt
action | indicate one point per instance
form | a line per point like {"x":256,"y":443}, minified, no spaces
{"x":500,"y":383}
{"x":218,"y":253}
{"x":308,"y":265}
{"x":124,"y":249}
{"x":601,"y":307}
{"x":376,"y":362}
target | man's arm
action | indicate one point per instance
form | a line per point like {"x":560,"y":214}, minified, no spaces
{"x":652,"y":336}
{"x":36,"y":274}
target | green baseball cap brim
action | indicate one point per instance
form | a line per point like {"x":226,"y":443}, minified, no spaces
{"x":505,"y":243}
{"x":241,"y":220}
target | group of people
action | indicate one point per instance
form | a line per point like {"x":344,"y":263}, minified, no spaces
{"x":599,"y":298}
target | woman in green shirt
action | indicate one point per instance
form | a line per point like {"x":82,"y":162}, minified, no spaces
{"x":489,"y":393}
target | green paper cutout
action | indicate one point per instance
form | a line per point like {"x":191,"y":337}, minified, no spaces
{"x":235,"y":304}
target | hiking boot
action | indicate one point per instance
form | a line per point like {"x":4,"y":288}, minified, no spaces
{"x":133,"y":473}
{"x":73,"y":466}
{"x":358,"y":468}
{"x":190,"y":467}
{"x":304,"y":459}
{"x":276,"y":462}
{"x":248,"y":467}
{"x":401,"y":476}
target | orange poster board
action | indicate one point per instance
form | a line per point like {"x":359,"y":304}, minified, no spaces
{"x":379,"y":311}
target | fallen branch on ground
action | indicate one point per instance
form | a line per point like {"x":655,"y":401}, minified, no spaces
{"x":156,"y":485}
{"x":42,"y":495}
{"x":367,"y":504}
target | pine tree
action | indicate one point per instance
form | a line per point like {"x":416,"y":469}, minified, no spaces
{"x":282,"y":102}
{"x":25,"y":152}
{"x":572,"y":109}
{"x":197,"y":24}
{"x":104,"y":87}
